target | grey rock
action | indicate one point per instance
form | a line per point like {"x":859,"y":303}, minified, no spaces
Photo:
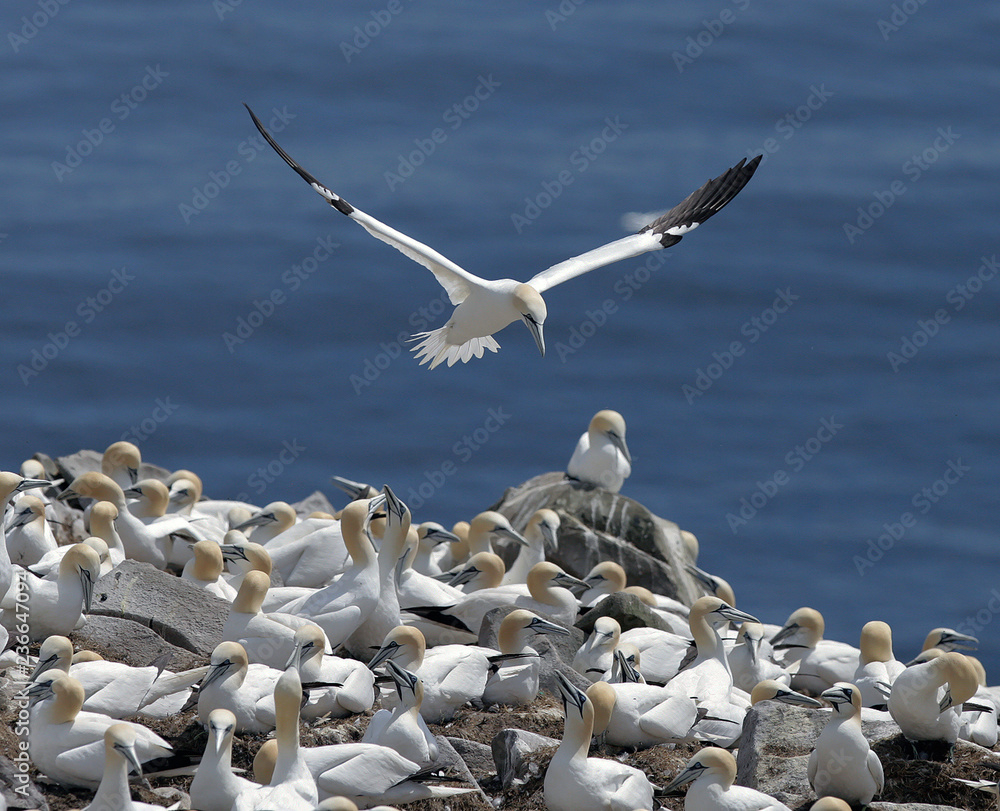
{"x":29,"y":795}
{"x":181,"y":613}
{"x":877,"y":806}
{"x":510,"y":748}
{"x":627,"y":609}
{"x":132,"y":643}
{"x":598,"y":525}
{"x":172,"y":794}
{"x":449,"y":758}
{"x":316,"y":502}
{"x":477,"y":756}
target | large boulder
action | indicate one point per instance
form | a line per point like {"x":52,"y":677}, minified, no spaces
{"x":598,"y":525}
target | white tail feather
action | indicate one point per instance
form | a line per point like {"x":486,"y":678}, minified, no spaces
{"x":435,"y":349}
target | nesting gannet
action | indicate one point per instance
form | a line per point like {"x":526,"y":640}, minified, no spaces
{"x":821,"y":663}
{"x":232,"y":683}
{"x":402,"y":727}
{"x":29,"y":535}
{"x":113,"y":794}
{"x":662,"y":652}
{"x":429,"y":536}
{"x":485,"y":306}
{"x":11,"y":483}
{"x":601,"y":457}
{"x":595,"y":655}
{"x":574,"y":781}
{"x":606,"y":578}
{"x":54,"y":606}
{"x":62,"y":740}
{"x":204,"y":570}
{"x":292,"y":785}
{"x":268,"y":522}
{"x":452,"y":675}
{"x":513,"y":679}
{"x":541,"y":535}
{"x":980,"y":725}
{"x":150,"y":499}
{"x":749,"y":659}
{"x":110,"y":688}
{"x":842,"y":763}
{"x":482,"y":528}
{"x":215,"y":787}
{"x":414,"y":588}
{"x":927,"y":710}
{"x":711,"y":773}
{"x":877,"y":664}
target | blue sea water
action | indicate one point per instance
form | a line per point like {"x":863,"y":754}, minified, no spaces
{"x":821,"y":356}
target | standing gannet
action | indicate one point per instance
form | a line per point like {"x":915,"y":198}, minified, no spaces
{"x":514,"y":674}
{"x":595,"y":655}
{"x":292,"y":786}
{"x":215,"y":787}
{"x":574,"y":781}
{"x":601,"y":457}
{"x":877,"y":664}
{"x":925,"y":709}
{"x":542,"y":535}
{"x":821,"y":662}
{"x":842,"y":764}
{"x":452,"y":675}
{"x":485,"y":306}
{"x":29,"y":535}
{"x":402,"y":727}
{"x":113,"y":794}
{"x":750,"y":659}
{"x":711,"y":773}
{"x":61,"y":743}
{"x":204,"y":570}
{"x":54,"y":606}
{"x":268,"y":522}
{"x":606,"y":578}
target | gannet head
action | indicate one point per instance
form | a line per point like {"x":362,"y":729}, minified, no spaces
{"x":607,"y":631}
{"x":573,"y":696}
{"x":612,"y":425}
{"x":717,"y":762}
{"x":82,"y":561}
{"x":278,"y":512}
{"x":830,"y":803}
{"x":772,"y":690}
{"x":405,"y":641}
{"x":56,"y":652}
{"x":433,"y":534}
{"x":520,"y":624}
{"x":691,"y":545}
{"x":120,"y":740}
{"x":546,"y":575}
{"x":492,"y":523}
{"x":252,"y":592}
{"x":715,"y":585}
{"x":876,"y":642}
{"x":29,"y":508}
{"x":221,"y":725}
{"x":846,"y":695}
{"x":713,"y":610}
{"x":624,"y":668}
{"x":545,"y":523}
{"x":805,"y":622}
{"x":407,"y":683}
{"x":531,"y":306}
{"x":963,"y":680}
{"x":337,"y":804}
{"x":603,"y":696}
{"x":484,"y":568}
{"x":646,"y":597}
{"x":207,"y":560}
{"x":153,"y":492}
{"x":947,"y":640}
{"x":184,"y":492}
{"x":226,"y":656}
{"x":310,"y":642}
{"x":11,"y":483}
{"x":121,"y":457}
{"x":97,"y":486}
{"x":607,"y":576}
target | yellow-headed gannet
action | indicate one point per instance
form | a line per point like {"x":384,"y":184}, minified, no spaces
{"x":842,"y":764}
{"x":541,"y":535}
{"x":821,"y":663}
{"x":244,"y":556}
{"x":945,"y":640}
{"x":673,"y":613}
{"x":574,"y":781}
{"x":29,"y":535}
{"x":61,"y":743}
{"x":204,"y":570}
{"x":215,"y":787}
{"x":402,"y":727}
{"x":877,"y":664}
{"x":606,"y":578}
{"x":595,"y":655}
{"x":485,"y":306}
{"x":601,"y":457}
{"x":113,"y":794}
{"x":11,"y":483}
{"x":711,"y":773}
{"x":186,"y":489}
{"x":482,"y":528}
{"x":714,"y":584}
{"x":750,"y":659}
{"x":980,"y":725}
{"x":120,"y":461}
{"x":230,"y":682}
{"x":513,"y":679}
{"x":430,"y":535}
{"x":268,"y":522}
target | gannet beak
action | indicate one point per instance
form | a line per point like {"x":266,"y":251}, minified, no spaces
{"x":87,"y":581}
{"x":689,"y":774}
{"x":734,"y":614}
{"x":31,"y":484}
{"x":403,"y":679}
{"x":440,"y":535}
{"x":567,"y":581}
{"x":570,"y":693}
{"x":702,"y":577}
{"x":549,"y":536}
{"x":784,"y":633}
{"x":128,"y":752}
{"x":541,"y":626}
{"x":464,"y":576}
{"x":959,"y":641}
{"x":791,"y":697}
{"x":21,"y":518}
{"x":401,"y":564}
{"x":536,"y":332}
{"x":384,"y":654}
{"x":392,"y":504}
{"x":837,"y":696}
{"x":220,"y":735}
{"x":42,"y":666}
{"x":232,"y":552}
{"x":295,"y":660}
{"x":628,"y":673}
{"x":514,"y":535}
{"x":353,"y":489}
{"x":256,"y":520}
{"x":133,"y":476}
{"x":66,"y":494}
{"x":619,"y":442}
{"x":947,"y":701}
{"x":216,"y":672}
{"x":38,"y":692}
{"x":133,"y":492}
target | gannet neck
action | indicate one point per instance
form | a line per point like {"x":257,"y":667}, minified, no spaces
{"x":541,"y":585}
{"x":603,"y":698}
{"x":876,"y":642}
{"x":287,"y":703}
{"x":352,"y":521}
{"x":207,"y":561}
{"x":119,"y":756}
{"x":68,"y":698}
{"x":252,"y":592}
{"x":578,"y":730}
{"x":102,"y":524}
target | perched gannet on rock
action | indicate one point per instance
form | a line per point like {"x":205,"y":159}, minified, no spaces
{"x":821,"y":663}
{"x":711,"y":773}
{"x":541,"y":535}
{"x":842,"y":764}
{"x":514,"y":674}
{"x":204,"y":570}
{"x":402,"y":727}
{"x":877,"y":664}
{"x":29,"y":535}
{"x":485,"y":306}
{"x":926,"y":700}
{"x":113,"y":794}
{"x":601,"y":457}
{"x":54,"y":606}
{"x":215,"y":787}
{"x":62,"y":737}
{"x":574,"y":781}
{"x":595,"y":655}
